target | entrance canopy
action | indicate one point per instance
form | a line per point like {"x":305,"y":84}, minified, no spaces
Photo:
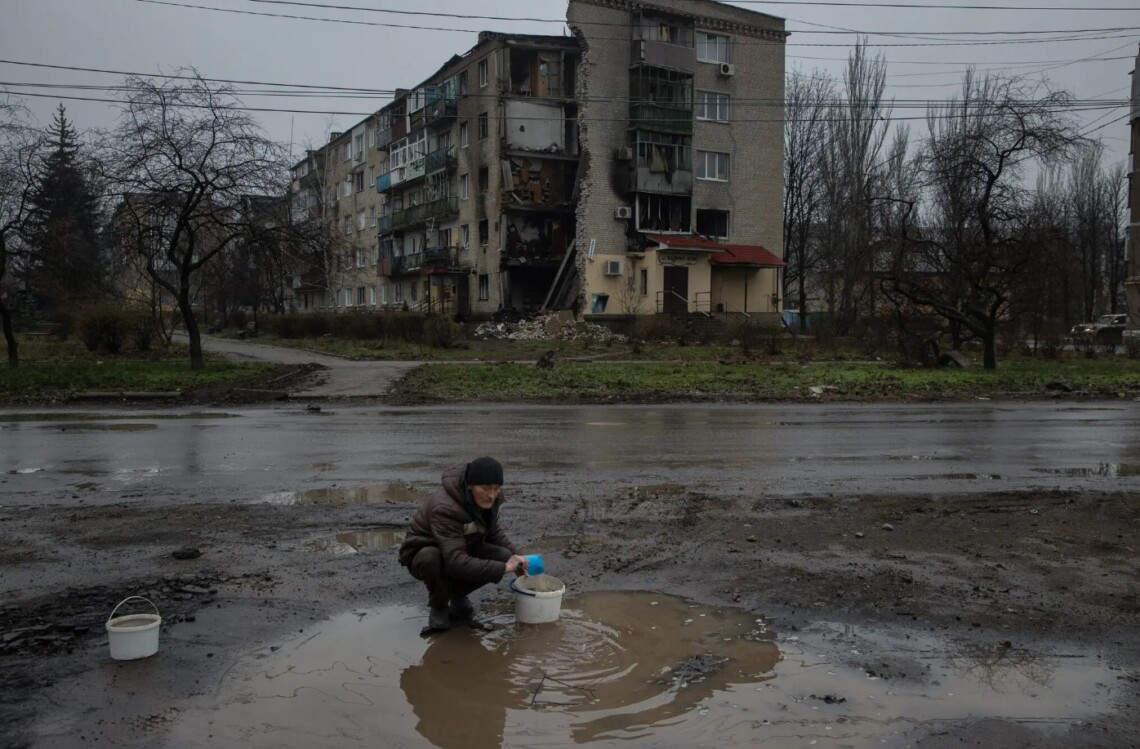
{"x":752,"y":255}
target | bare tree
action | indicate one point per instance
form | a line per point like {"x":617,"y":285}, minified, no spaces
{"x":857,"y":131}
{"x":806,"y":103}
{"x":183,"y":158}
{"x":979,"y":239}
{"x":20,"y":151}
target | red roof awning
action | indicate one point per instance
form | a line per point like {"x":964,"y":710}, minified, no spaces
{"x":722,"y":254}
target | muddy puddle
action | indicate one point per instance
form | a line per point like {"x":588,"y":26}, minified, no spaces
{"x":352,"y":542}
{"x":618,"y":669}
{"x":350,"y":495}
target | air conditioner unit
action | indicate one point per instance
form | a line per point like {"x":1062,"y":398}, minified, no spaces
{"x":613,"y":267}
{"x":624,"y":153}
{"x":727,"y":69}
{"x":623,"y":212}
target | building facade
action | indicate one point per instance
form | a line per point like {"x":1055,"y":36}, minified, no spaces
{"x":633,"y":168}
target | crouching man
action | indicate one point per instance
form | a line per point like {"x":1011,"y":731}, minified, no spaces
{"x":455,"y":544}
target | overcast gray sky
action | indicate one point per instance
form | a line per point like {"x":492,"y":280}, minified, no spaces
{"x":146,"y":36}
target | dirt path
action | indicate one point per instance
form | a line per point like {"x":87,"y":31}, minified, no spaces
{"x":338,"y":378}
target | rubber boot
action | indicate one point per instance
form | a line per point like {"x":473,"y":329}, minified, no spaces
{"x":460,"y":608}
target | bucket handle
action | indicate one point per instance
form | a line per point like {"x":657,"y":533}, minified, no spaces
{"x":517,"y":590}
{"x":130,"y":598}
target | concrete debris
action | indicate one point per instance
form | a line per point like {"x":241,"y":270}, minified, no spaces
{"x":560,"y":326}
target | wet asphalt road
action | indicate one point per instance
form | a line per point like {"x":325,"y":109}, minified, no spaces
{"x":250,"y":454}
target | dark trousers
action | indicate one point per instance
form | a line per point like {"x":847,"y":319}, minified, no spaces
{"x":427,"y":565}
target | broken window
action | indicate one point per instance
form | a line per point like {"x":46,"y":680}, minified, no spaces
{"x":712,"y":223}
{"x":484,"y":231}
{"x":663,"y":152}
{"x":483,"y":125}
{"x":667,"y":213}
{"x":484,"y":180}
{"x":484,"y":287}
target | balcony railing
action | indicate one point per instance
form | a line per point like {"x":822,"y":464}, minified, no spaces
{"x":384,"y":182}
{"x":415,"y":169}
{"x":383,"y":224}
{"x":662,"y":118}
{"x":440,"y":111}
{"x":437,"y":209}
{"x":441,"y":256}
{"x":663,"y":55}
{"x":440,"y":159}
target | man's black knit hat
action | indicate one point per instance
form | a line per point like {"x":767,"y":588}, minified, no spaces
{"x":484,"y":471}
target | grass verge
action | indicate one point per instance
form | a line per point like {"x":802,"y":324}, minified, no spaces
{"x":582,"y":381}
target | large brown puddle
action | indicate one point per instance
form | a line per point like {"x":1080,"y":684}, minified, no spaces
{"x":618,"y":669}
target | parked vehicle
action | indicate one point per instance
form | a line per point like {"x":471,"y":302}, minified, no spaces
{"x":1106,"y":329}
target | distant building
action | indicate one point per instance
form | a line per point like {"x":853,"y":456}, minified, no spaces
{"x":633,"y":168}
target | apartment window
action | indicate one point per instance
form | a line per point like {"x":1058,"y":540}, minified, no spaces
{"x":712,"y":165}
{"x":360,"y":296}
{"x":348,"y":297}
{"x":484,"y":231}
{"x":465,"y":235}
{"x":712,"y":223}
{"x":463,"y":135}
{"x":484,"y":287}
{"x":463,"y":188}
{"x":360,"y":181}
{"x":463,"y":83}
{"x":372,"y":296}
{"x":484,"y":180}
{"x":712,"y":47}
{"x":484,"y":78}
{"x":345,"y":151}
{"x":645,"y":282}
{"x":712,"y":106}
{"x":483,"y":126}
{"x":359,"y":141}
{"x":360,"y":221}
{"x":372,"y":217}
{"x":348,"y":224}
{"x":398,"y":292}
{"x":371,"y":137}
{"x":348,"y":186}
{"x":413,"y":291}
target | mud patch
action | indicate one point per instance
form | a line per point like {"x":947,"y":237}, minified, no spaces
{"x":351,"y":495}
{"x":351,"y":542}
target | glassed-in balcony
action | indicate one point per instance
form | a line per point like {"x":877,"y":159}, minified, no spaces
{"x":662,"y":118}
{"x":439,"y":210}
{"x":383,"y":224}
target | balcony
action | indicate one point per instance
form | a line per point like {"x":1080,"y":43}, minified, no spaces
{"x":661,"y":118}
{"x":646,"y":179}
{"x":384,"y":182}
{"x":438,"y":210}
{"x":663,"y":55}
{"x":406,"y":263}
{"x":415,"y":169}
{"x":399,"y":127}
{"x":442,"y":111}
{"x":383,"y":224}
{"x":441,"y":257}
{"x":441,"y":159}
{"x":383,"y":138}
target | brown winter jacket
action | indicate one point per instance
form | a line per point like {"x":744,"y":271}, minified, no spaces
{"x":451,"y":520}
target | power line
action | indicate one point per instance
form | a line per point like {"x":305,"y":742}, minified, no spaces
{"x":362,"y":115}
{"x":562,"y":21}
{"x":1051,"y":40}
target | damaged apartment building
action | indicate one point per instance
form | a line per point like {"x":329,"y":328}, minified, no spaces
{"x":634,"y":167}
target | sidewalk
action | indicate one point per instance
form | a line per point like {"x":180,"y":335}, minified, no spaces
{"x":341,"y":378}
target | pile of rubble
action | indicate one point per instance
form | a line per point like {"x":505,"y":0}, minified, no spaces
{"x":553,"y":326}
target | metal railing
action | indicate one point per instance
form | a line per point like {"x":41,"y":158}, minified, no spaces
{"x":418,"y":214}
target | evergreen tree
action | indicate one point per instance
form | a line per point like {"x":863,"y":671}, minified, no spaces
{"x":63,"y":230}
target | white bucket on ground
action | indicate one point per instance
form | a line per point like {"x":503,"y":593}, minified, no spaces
{"x":540,"y":605}
{"x":133,"y":636}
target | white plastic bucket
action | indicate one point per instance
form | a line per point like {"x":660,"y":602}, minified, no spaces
{"x":536,"y":607}
{"x":133,"y":636}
